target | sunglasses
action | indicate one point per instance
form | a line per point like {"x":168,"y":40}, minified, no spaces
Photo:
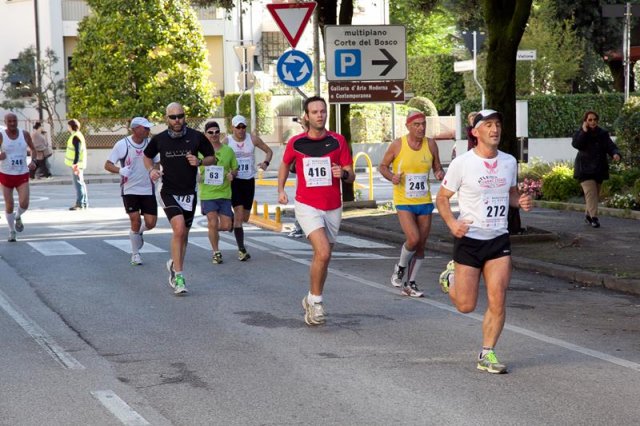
{"x":241,"y":126}
{"x":213,"y":132}
{"x":176,"y":116}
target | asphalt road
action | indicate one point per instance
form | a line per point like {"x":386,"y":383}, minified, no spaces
{"x":88,"y":339}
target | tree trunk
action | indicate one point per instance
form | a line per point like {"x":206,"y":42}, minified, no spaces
{"x":506,"y":21}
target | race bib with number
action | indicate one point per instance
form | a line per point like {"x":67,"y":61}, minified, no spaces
{"x":244,"y":167}
{"x":496,"y":207}
{"x":317,"y":171}
{"x":16,"y":162}
{"x":185,"y":201}
{"x":214,"y":175}
{"x":416,"y":185}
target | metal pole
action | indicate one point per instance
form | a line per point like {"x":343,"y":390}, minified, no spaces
{"x":475,"y":65}
{"x":38,"y":67}
{"x":626,"y":48}
{"x":316,"y":50}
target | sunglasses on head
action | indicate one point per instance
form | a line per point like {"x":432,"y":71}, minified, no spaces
{"x":241,"y":126}
{"x":213,"y":132}
{"x":176,"y":116}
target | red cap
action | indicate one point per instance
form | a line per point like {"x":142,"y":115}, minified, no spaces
{"x":414,"y":115}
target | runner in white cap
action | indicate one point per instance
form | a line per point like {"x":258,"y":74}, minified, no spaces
{"x":136,"y":187}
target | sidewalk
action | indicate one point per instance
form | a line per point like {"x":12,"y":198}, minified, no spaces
{"x":608,"y":256}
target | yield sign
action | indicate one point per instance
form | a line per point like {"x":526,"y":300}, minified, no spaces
{"x":292,"y":18}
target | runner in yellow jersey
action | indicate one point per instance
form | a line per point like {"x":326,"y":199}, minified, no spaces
{"x":407,"y":164}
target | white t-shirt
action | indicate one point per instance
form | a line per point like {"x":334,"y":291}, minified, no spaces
{"x":128,"y":153}
{"x":245,"y":151}
{"x":16,"y":150}
{"x":483,"y":186}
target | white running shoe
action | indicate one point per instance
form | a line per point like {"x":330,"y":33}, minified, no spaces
{"x":19,"y":224}
{"x":412,"y":290}
{"x":397,"y":278}
{"x":313,"y":314}
{"x":136,"y":259}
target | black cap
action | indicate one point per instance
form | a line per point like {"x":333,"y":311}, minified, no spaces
{"x":211,"y":124}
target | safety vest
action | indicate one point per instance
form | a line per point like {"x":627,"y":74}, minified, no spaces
{"x":70,"y":154}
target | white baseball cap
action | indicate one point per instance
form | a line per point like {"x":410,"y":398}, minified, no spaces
{"x":140,"y":121}
{"x":238,"y":120}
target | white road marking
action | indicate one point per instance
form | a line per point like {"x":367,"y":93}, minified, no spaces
{"x":515,"y":329}
{"x":56,"y":248}
{"x":125,"y":246}
{"x":360,"y":242}
{"x":120,"y":409}
{"x":203,"y":242}
{"x":282,"y":242}
{"x":39,"y":335}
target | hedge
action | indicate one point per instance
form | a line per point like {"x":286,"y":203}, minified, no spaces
{"x":557,"y":116}
{"x":264,"y":123}
{"x":433,"y":77}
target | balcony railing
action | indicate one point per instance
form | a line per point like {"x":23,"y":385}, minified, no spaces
{"x":75,"y":10}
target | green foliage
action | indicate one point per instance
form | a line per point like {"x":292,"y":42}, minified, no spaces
{"x":433,"y":77}
{"x":423,"y":104}
{"x":371,"y":123}
{"x":134,"y":57}
{"x":559,"y":184}
{"x":559,"y":53}
{"x":555,"y":116}
{"x":611,"y":186}
{"x":623,"y":201}
{"x":264,"y":113}
{"x":46,"y":91}
{"x":429,"y":26}
{"x":536,"y":169}
{"x":627,"y":128}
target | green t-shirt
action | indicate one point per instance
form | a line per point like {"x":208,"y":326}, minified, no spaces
{"x":209,"y":174}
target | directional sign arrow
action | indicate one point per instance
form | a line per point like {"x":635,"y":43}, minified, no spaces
{"x":397,"y":91}
{"x":390,"y":62}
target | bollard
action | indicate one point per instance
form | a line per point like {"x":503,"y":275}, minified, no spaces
{"x":278,"y":215}
{"x":254,"y":208}
{"x":265,"y":211}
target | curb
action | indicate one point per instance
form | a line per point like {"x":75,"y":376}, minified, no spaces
{"x":591,"y":279}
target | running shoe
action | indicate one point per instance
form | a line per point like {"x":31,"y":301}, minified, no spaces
{"x":296,"y":233}
{"x":243,"y":255}
{"x":172,"y":273}
{"x":595,"y":223}
{"x":313,"y":314}
{"x":397,"y":278}
{"x":490,"y":364}
{"x":412,"y":290}
{"x":217,"y":258}
{"x":136,"y":259}
{"x":12,"y":237}
{"x":180,"y":287}
{"x":445,"y":276}
{"x":19,"y":224}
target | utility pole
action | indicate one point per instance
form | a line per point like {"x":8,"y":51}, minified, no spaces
{"x":38,"y":76}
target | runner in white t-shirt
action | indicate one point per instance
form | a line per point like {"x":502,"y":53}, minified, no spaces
{"x":486,"y":182}
{"x":137,"y":188}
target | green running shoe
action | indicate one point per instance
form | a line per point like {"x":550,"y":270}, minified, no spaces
{"x":180,"y":287}
{"x":446,"y":275}
{"x":490,"y":364}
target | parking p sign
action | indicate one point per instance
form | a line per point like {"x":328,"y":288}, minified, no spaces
{"x":365,"y":52}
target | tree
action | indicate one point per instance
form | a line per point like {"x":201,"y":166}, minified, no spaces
{"x":602,"y":35}
{"x":136,"y":56}
{"x":22,"y":88}
{"x":429,"y":26}
{"x":506,"y":21}
{"x":559,"y":53}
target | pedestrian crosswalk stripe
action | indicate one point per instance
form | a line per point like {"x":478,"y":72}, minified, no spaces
{"x":360,"y":242}
{"x":203,"y":242}
{"x":55,"y":248}
{"x":282,"y":242}
{"x":125,"y":246}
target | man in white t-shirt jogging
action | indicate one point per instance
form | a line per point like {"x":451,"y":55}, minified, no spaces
{"x":486,"y":182}
{"x":14,"y":171}
{"x":243,"y":186}
{"x":137,"y":188}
